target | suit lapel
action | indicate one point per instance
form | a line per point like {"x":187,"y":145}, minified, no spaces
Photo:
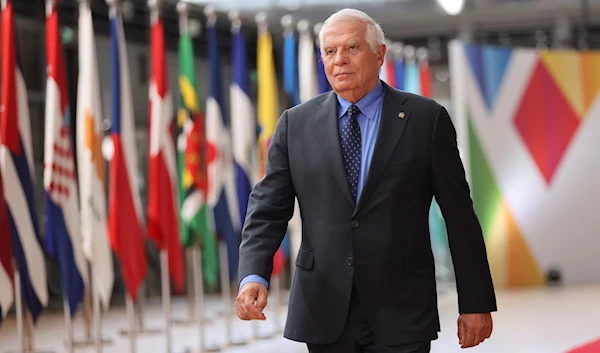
{"x":327,"y":128}
{"x":391,"y":128}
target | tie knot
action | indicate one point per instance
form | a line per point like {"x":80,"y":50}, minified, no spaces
{"x":353,"y":111}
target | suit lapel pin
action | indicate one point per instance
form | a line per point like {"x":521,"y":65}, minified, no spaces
{"x":401,"y":115}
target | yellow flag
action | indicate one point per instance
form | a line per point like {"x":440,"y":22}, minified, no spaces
{"x":268,"y":101}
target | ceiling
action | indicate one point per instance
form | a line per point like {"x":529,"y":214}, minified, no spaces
{"x":415,"y":18}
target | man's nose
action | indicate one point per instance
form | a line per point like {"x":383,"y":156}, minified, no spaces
{"x":340,"y":58}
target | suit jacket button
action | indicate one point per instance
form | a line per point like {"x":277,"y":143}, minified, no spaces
{"x":349,"y":260}
{"x":354,"y":224}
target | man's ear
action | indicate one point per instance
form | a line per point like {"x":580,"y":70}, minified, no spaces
{"x":381,"y":50}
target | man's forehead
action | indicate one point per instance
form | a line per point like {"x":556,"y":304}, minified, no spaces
{"x":344,"y":33}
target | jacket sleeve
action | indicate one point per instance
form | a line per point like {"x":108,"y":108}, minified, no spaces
{"x":465,"y":237}
{"x":270,"y":207}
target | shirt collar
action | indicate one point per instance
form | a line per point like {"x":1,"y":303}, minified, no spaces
{"x":367,"y":104}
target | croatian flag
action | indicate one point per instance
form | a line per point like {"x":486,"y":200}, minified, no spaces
{"x":124,"y":216}
{"x":16,"y":166}
{"x":63,"y":230}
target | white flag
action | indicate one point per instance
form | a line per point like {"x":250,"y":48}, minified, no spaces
{"x":90,"y":161}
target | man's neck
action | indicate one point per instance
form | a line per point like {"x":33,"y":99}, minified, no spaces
{"x":354,"y":96}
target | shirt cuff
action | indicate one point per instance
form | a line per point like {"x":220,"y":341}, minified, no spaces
{"x":253,"y":278}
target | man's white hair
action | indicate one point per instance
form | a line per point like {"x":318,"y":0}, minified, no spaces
{"x":375,"y":35}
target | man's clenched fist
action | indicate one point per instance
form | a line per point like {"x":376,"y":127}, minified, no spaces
{"x":251,"y":301}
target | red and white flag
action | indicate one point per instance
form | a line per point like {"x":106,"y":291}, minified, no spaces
{"x":163,"y":207}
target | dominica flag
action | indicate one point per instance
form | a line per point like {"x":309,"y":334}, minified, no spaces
{"x":193,"y":156}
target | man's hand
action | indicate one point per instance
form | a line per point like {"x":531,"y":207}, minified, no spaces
{"x":474,"y":329}
{"x":251,"y":301}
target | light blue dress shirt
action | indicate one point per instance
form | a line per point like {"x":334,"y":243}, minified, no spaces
{"x":370,"y":107}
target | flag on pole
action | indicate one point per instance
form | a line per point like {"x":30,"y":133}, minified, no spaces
{"x":390,"y":70}
{"x":268,"y":113}
{"x":412,"y":81}
{"x":16,"y":166}
{"x":243,"y":125}
{"x":425,"y":78}
{"x":323,"y":83}
{"x":90,"y":161}
{"x":163,"y":207}
{"x":124,"y":216}
{"x":63,"y":228}
{"x":193,"y":155}
{"x":6,"y":268}
{"x":399,"y":72}
{"x":8,"y":78}
{"x":307,"y":67}
{"x":221,"y":174}
{"x":290,"y":69}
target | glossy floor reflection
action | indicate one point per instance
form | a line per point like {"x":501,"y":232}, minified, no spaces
{"x":549,"y":320}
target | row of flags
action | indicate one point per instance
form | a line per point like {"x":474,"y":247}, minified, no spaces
{"x":203,"y":160}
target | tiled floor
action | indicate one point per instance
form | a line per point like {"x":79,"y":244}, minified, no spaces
{"x":550,"y":320}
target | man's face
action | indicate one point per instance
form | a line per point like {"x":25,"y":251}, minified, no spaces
{"x":350,"y":64}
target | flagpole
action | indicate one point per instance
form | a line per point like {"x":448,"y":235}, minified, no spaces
{"x":19,"y":300}
{"x":68,"y":325}
{"x":96,"y":312}
{"x":132,"y":327}
{"x":166,"y":297}
{"x":191,"y":292}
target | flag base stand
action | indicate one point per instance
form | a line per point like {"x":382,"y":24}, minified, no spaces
{"x":141,"y":330}
{"x":210,"y":348}
{"x":90,"y":342}
{"x":24,"y":327}
{"x":196,"y":296}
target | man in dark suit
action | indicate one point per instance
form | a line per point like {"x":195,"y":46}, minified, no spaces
{"x":364,"y":162}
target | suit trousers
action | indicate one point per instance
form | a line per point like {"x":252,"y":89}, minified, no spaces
{"x":357,"y":336}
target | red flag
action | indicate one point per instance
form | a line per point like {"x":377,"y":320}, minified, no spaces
{"x":425,"y":79}
{"x":390,"y":72}
{"x":163,"y":210}
{"x":125,"y":214}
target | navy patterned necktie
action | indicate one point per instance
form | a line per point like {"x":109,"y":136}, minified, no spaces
{"x":351,"y":147}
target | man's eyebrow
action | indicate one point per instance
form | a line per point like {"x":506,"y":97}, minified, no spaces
{"x":352,"y":42}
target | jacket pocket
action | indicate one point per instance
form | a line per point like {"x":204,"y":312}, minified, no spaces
{"x":305,"y":258}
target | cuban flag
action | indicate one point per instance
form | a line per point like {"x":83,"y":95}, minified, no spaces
{"x":63,"y":229}
{"x":222,"y":196}
{"x":16,"y":166}
{"x":6,"y":257}
{"x":125,"y":211}
{"x":243,"y":126}
{"x":6,"y":268}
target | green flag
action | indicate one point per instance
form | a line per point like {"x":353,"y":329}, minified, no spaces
{"x":196,"y":223}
